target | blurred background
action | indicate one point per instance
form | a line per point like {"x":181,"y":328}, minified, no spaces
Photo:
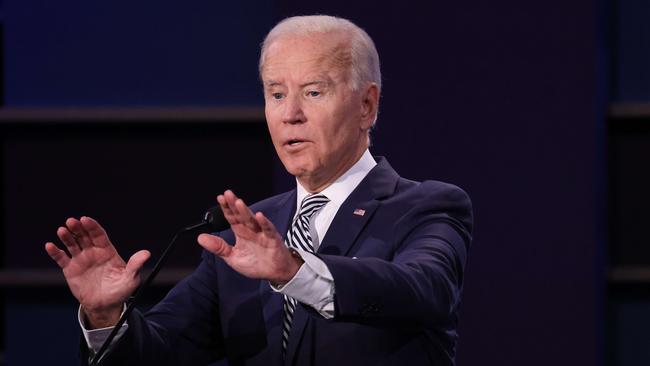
{"x":139,"y":113}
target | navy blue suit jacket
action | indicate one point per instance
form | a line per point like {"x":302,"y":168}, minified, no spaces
{"x":398,"y":273}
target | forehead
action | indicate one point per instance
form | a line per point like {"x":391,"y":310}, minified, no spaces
{"x":290,"y":56}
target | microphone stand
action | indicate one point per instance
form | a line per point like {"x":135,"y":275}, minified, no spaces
{"x":212,"y":219}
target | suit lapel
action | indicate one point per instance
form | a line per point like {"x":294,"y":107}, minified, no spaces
{"x":281,"y":217}
{"x":358,"y":208}
{"x":345,"y":228}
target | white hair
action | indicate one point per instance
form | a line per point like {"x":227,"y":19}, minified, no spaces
{"x":363,"y":61}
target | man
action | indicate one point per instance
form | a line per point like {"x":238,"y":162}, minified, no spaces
{"x":355,"y":266}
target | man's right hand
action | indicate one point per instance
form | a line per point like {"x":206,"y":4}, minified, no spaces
{"x":96,"y":274}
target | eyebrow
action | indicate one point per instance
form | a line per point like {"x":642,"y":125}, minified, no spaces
{"x":272,"y":83}
{"x":322,"y":81}
{"x":315,"y":82}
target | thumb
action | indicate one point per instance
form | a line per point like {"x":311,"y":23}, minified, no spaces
{"x":135,"y":263}
{"x":215,"y":245}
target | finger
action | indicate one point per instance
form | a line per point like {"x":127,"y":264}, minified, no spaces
{"x":95,"y":231}
{"x":246,"y":216}
{"x":80,"y":235}
{"x":231,"y":216}
{"x":59,"y":256}
{"x":231,"y":198}
{"x":215,"y":245}
{"x":227,"y":211}
{"x":137,"y":260}
{"x":267,"y":226}
{"x":68,"y":240}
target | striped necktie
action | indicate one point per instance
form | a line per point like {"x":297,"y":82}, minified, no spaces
{"x":299,"y":237}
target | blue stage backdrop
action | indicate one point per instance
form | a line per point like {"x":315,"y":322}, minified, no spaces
{"x":500,"y":98}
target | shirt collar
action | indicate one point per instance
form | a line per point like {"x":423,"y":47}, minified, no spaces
{"x":339,"y":191}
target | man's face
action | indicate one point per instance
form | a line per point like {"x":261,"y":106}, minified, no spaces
{"x":317,"y":124}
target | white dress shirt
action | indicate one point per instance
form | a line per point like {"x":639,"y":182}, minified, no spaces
{"x":313,"y":283}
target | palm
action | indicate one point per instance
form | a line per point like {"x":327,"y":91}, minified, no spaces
{"x":259,"y":251}
{"x":254,"y":252}
{"x":97,"y":276}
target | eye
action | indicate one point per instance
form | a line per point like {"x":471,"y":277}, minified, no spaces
{"x":313,"y":93}
{"x":276,"y":96}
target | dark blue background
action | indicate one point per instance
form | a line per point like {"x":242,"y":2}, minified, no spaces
{"x":505,"y":99}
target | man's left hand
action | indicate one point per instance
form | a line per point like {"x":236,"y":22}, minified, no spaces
{"x":259,"y":250}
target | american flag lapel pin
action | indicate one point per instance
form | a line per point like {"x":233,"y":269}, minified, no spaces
{"x":359,"y":212}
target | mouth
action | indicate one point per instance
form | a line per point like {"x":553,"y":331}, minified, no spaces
{"x":294,"y":142}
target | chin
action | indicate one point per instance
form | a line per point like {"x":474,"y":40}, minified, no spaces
{"x":301,"y":171}
{"x":293,"y":167}
{"x":297,"y":171}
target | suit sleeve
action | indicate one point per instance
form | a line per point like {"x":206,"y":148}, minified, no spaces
{"x":183,"y":329}
{"x":421,"y":283}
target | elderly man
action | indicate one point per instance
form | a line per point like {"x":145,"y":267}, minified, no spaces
{"x":356,"y":266}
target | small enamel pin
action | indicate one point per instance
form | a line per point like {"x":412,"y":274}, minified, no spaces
{"x":359,"y":212}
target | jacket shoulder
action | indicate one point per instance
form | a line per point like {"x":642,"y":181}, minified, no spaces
{"x":432,"y":196}
{"x":432,"y":189}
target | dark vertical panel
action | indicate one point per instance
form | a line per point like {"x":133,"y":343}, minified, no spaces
{"x":2,"y":102}
{"x":629,"y":149}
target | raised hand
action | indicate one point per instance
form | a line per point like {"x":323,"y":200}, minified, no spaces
{"x":96,"y":274}
{"x":259,"y":251}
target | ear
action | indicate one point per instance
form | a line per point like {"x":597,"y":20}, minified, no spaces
{"x":369,"y":106}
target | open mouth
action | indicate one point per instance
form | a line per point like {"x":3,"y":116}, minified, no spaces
{"x":294,"y":142}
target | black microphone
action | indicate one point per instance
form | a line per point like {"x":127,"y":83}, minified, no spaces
{"x":213,"y":220}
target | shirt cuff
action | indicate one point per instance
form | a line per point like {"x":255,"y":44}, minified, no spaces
{"x":313,"y":285}
{"x":96,"y":337}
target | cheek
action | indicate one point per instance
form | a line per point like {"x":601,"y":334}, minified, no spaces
{"x":272,"y":126}
{"x":341,"y":136}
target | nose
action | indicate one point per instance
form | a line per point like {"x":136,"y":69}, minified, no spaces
{"x":293,"y":112}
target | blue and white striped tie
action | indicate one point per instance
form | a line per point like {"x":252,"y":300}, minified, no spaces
{"x":299,"y":237}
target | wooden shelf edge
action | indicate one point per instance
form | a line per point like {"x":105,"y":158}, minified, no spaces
{"x":629,"y":275}
{"x":54,"y":277}
{"x":132,"y":114}
{"x":629,"y":110}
